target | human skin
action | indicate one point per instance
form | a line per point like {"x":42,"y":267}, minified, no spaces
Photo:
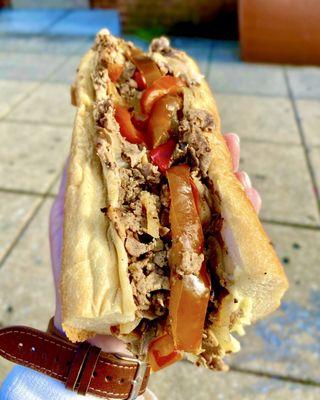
{"x":105,"y":342}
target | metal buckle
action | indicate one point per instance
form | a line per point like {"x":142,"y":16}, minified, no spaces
{"x":140,"y":373}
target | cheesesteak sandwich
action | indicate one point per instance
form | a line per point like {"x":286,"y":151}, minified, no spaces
{"x":161,"y":247}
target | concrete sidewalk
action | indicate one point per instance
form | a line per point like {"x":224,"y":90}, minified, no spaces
{"x":275,"y":110}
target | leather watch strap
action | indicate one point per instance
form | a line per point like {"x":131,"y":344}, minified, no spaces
{"x":83,"y":368}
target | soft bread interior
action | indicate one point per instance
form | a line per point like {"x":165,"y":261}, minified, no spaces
{"x":95,"y":287}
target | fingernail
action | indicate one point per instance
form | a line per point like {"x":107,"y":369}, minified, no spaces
{"x":236,"y":137}
{"x":246,"y":180}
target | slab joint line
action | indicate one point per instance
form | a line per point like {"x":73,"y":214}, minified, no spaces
{"x":303,"y":139}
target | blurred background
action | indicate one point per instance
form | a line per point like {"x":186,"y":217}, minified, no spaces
{"x":260,"y":58}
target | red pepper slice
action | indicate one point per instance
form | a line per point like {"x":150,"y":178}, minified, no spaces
{"x":140,"y":122}
{"x":148,"y":68}
{"x":160,"y":87}
{"x":189,"y":298}
{"x":115,"y":71}
{"x":127,"y":128}
{"x":160,"y":121}
{"x":140,"y":79}
{"x":161,"y":155}
{"x":189,"y":294}
{"x":185,"y":221}
{"x":196,"y":195}
{"x":162,"y":353}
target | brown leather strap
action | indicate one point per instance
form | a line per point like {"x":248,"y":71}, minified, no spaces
{"x":87,"y":374}
{"x":77,"y":365}
{"x":83,"y":368}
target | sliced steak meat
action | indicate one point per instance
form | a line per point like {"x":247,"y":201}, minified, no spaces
{"x":131,"y":184}
{"x":192,"y":138}
{"x":146,"y":281}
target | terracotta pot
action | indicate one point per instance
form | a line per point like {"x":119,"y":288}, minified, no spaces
{"x":281,"y":31}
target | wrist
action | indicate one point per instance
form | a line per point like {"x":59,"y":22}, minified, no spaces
{"x":106,"y":343}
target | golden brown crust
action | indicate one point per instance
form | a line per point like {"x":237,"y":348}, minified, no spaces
{"x":258,"y":273}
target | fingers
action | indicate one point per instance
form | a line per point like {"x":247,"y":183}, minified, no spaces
{"x":110,"y":344}
{"x":255,"y":198}
{"x":244,"y":179}
{"x":252,"y":193}
{"x":233,"y":143}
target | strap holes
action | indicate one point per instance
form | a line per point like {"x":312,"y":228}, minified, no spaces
{"x":121,"y":381}
{"x":33,"y":349}
{"x":95,"y":374}
{"x":108,"y":378}
{"x":20,"y":345}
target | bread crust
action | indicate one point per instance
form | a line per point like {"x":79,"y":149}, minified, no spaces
{"x":95,"y":294}
{"x":258,"y":273}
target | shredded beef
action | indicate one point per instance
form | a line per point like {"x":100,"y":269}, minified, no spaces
{"x":191,"y":263}
{"x":128,"y":91}
{"x":136,"y":248}
{"x":128,"y":71}
{"x":160,"y":259}
{"x":147,"y":280}
{"x":159,"y":302}
{"x":191,"y":130}
{"x":131,"y":153}
{"x":165,"y":196}
{"x":211,"y":356}
{"x":150,"y":172}
{"x":131,"y":182}
{"x":161,"y":45}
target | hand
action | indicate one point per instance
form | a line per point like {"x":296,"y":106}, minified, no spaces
{"x":233,"y":143}
{"x":109,"y":343}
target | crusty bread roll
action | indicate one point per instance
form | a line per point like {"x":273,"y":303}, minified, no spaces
{"x":96,"y":288}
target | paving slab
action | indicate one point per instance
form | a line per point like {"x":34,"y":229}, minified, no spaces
{"x":247,"y":78}
{"x":67,"y":73}
{"x":26,"y":295}
{"x":197,"y":48}
{"x":184,"y":381}
{"x":87,"y":22}
{"x":31,"y":155}
{"x":309,"y":114}
{"x":288,"y":342}
{"x":304,"y":82}
{"x":50,"y":104}
{"x":14,"y":92}
{"x":28,"y":66}
{"x":28,"y":21}
{"x":40,"y":44}
{"x":15,"y":211}
{"x":268,"y":119}
{"x":280,"y":173}
{"x":314,"y":155}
